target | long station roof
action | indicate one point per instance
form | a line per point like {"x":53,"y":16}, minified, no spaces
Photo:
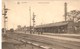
{"x":52,"y":24}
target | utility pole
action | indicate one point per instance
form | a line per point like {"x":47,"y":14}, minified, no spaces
{"x":30,"y":20}
{"x":33,"y":22}
{"x":5,"y":17}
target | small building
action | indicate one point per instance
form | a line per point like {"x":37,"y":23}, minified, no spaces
{"x":77,"y":27}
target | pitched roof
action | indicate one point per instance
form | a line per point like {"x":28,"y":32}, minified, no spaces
{"x":52,"y":24}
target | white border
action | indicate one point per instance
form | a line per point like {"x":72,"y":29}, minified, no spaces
{"x":0,"y":24}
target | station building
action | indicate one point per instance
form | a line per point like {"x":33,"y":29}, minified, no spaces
{"x":59,"y":27}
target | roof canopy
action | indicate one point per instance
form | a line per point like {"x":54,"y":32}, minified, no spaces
{"x":52,"y":24}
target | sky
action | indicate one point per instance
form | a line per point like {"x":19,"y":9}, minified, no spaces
{"x":46,"y":11}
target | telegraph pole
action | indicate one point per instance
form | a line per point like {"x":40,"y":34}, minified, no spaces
{"x":30,"y":20}
{"x":33,"y":22}
{"x":5,"y":17}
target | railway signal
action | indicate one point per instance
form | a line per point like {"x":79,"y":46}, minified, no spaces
{"x":5,"y":10}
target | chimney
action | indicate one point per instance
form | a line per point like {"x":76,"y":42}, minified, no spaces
{"x":65,"y":10}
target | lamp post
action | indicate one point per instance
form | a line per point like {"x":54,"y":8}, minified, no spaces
{"x":30,"y":20}
{"x":33,"y":22}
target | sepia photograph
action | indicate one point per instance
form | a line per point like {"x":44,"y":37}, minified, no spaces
{"x":40,"y":24}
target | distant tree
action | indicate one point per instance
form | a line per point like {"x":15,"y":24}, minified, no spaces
{"x":11,"y":30}
{"x":19,"y":26}
{"x":73,"y":15}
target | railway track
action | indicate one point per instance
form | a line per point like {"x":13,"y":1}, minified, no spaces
{"x":53,"y":43}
